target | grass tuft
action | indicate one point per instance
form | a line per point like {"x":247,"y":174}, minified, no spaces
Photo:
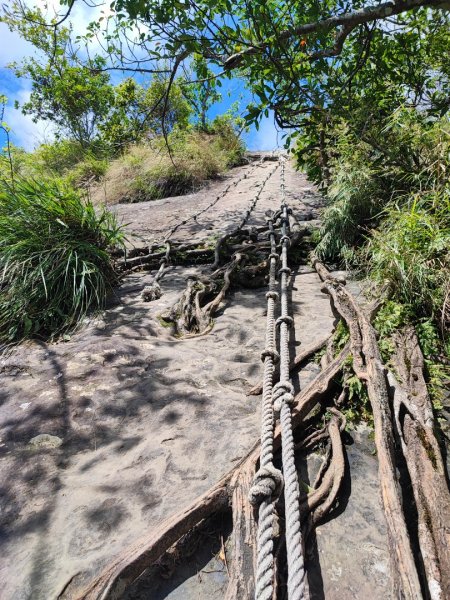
{"x":54,"y":260}
{"x":148,"y":172}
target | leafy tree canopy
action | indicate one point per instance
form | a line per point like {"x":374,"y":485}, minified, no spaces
{"x":299,"y":58}
{"x":73,"y":96}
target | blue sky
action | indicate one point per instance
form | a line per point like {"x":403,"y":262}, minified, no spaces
{"x":27,"y":134}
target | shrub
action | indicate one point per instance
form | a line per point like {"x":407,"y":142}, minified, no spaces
{"x":54,"y":261}
{"x":87,"y":172}
{"x":148,"y":172}
{"x":404,"y":158}
{"x":60,"y":156}
{"x":410,"y":251}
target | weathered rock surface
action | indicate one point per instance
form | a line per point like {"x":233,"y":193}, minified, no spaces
{"x":148,"y":422}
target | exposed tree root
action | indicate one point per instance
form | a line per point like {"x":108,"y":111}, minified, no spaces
{"x":246,"y":265}
{"x":412,"y":418}
{"x":192,"y":314}
{"x":414,"y":423}
{"x":181,"y":253}
{"x":319,"y":502}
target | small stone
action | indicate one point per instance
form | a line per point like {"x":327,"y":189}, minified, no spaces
{"x":45,"y":440}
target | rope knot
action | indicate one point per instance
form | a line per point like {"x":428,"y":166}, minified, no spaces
{"x":273,"y":294}
{"x":283,"y":391}
{"x":285,"y":238}
{"x":286,"y":270}
{"x":289,"y":321}
{"x":274,"y":255}
{"x":267,"y":484}
{"x":273,"y":355}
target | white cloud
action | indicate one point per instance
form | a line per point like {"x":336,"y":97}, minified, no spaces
{"x":12,"y":46}
{"x":24,"y":132}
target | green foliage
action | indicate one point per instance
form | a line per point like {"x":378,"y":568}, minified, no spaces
{"x":60,"y":156}
{"x":340,"y":337}
{"x":54,"y":263}
{"x":139,"y":113}
{"x":147,"y":172}
{"x":411,"y":252}
{"x":357,"y":406}
{"x":86,"y":172}
{"x":16,"y":161}
{"x":165,"y":108}
{"x":76,"y":98}
{"x":202,"y":93}
{"x":437,"y":372}
{"x":390,"y":317}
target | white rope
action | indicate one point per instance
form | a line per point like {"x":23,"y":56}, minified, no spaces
{"x":268,"y":480}
{"x":283,"y":395}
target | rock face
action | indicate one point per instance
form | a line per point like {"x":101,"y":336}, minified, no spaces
{"x":127,"y":425}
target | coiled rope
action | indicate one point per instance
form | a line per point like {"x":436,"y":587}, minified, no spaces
{"x":278,"y":398}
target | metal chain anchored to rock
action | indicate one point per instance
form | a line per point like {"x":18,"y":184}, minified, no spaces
{"x":153,"y":291}
{"x":193,"y":312}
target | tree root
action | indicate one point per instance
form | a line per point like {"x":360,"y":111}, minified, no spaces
{"x":191,"y":316}
{"x":319,"y":502}
{"x":414,"y":423}
{"x":368,"y":366}
{"x":181,"y":253}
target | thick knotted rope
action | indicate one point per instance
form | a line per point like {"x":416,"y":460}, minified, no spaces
{"x":278,"y":398}
{"x":268,"y":480}
{"x":283,"y":397}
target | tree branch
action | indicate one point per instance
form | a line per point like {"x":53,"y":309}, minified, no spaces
{"x":347,"y":21}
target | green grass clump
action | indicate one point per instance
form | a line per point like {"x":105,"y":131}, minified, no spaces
{"x":54,"y":261}
{"x":147,"y":171}
{"x":410,"y":251}
{"x":354,"y":201}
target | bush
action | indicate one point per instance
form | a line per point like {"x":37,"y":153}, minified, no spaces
{"x":87,"y":172}
{"x":402,"y":156}
{"x":410,"y":251}
{"x":355,"y":200}
{"x":60,"y":156}
{"x":148,"y":172}
{"x":54,"y":262}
